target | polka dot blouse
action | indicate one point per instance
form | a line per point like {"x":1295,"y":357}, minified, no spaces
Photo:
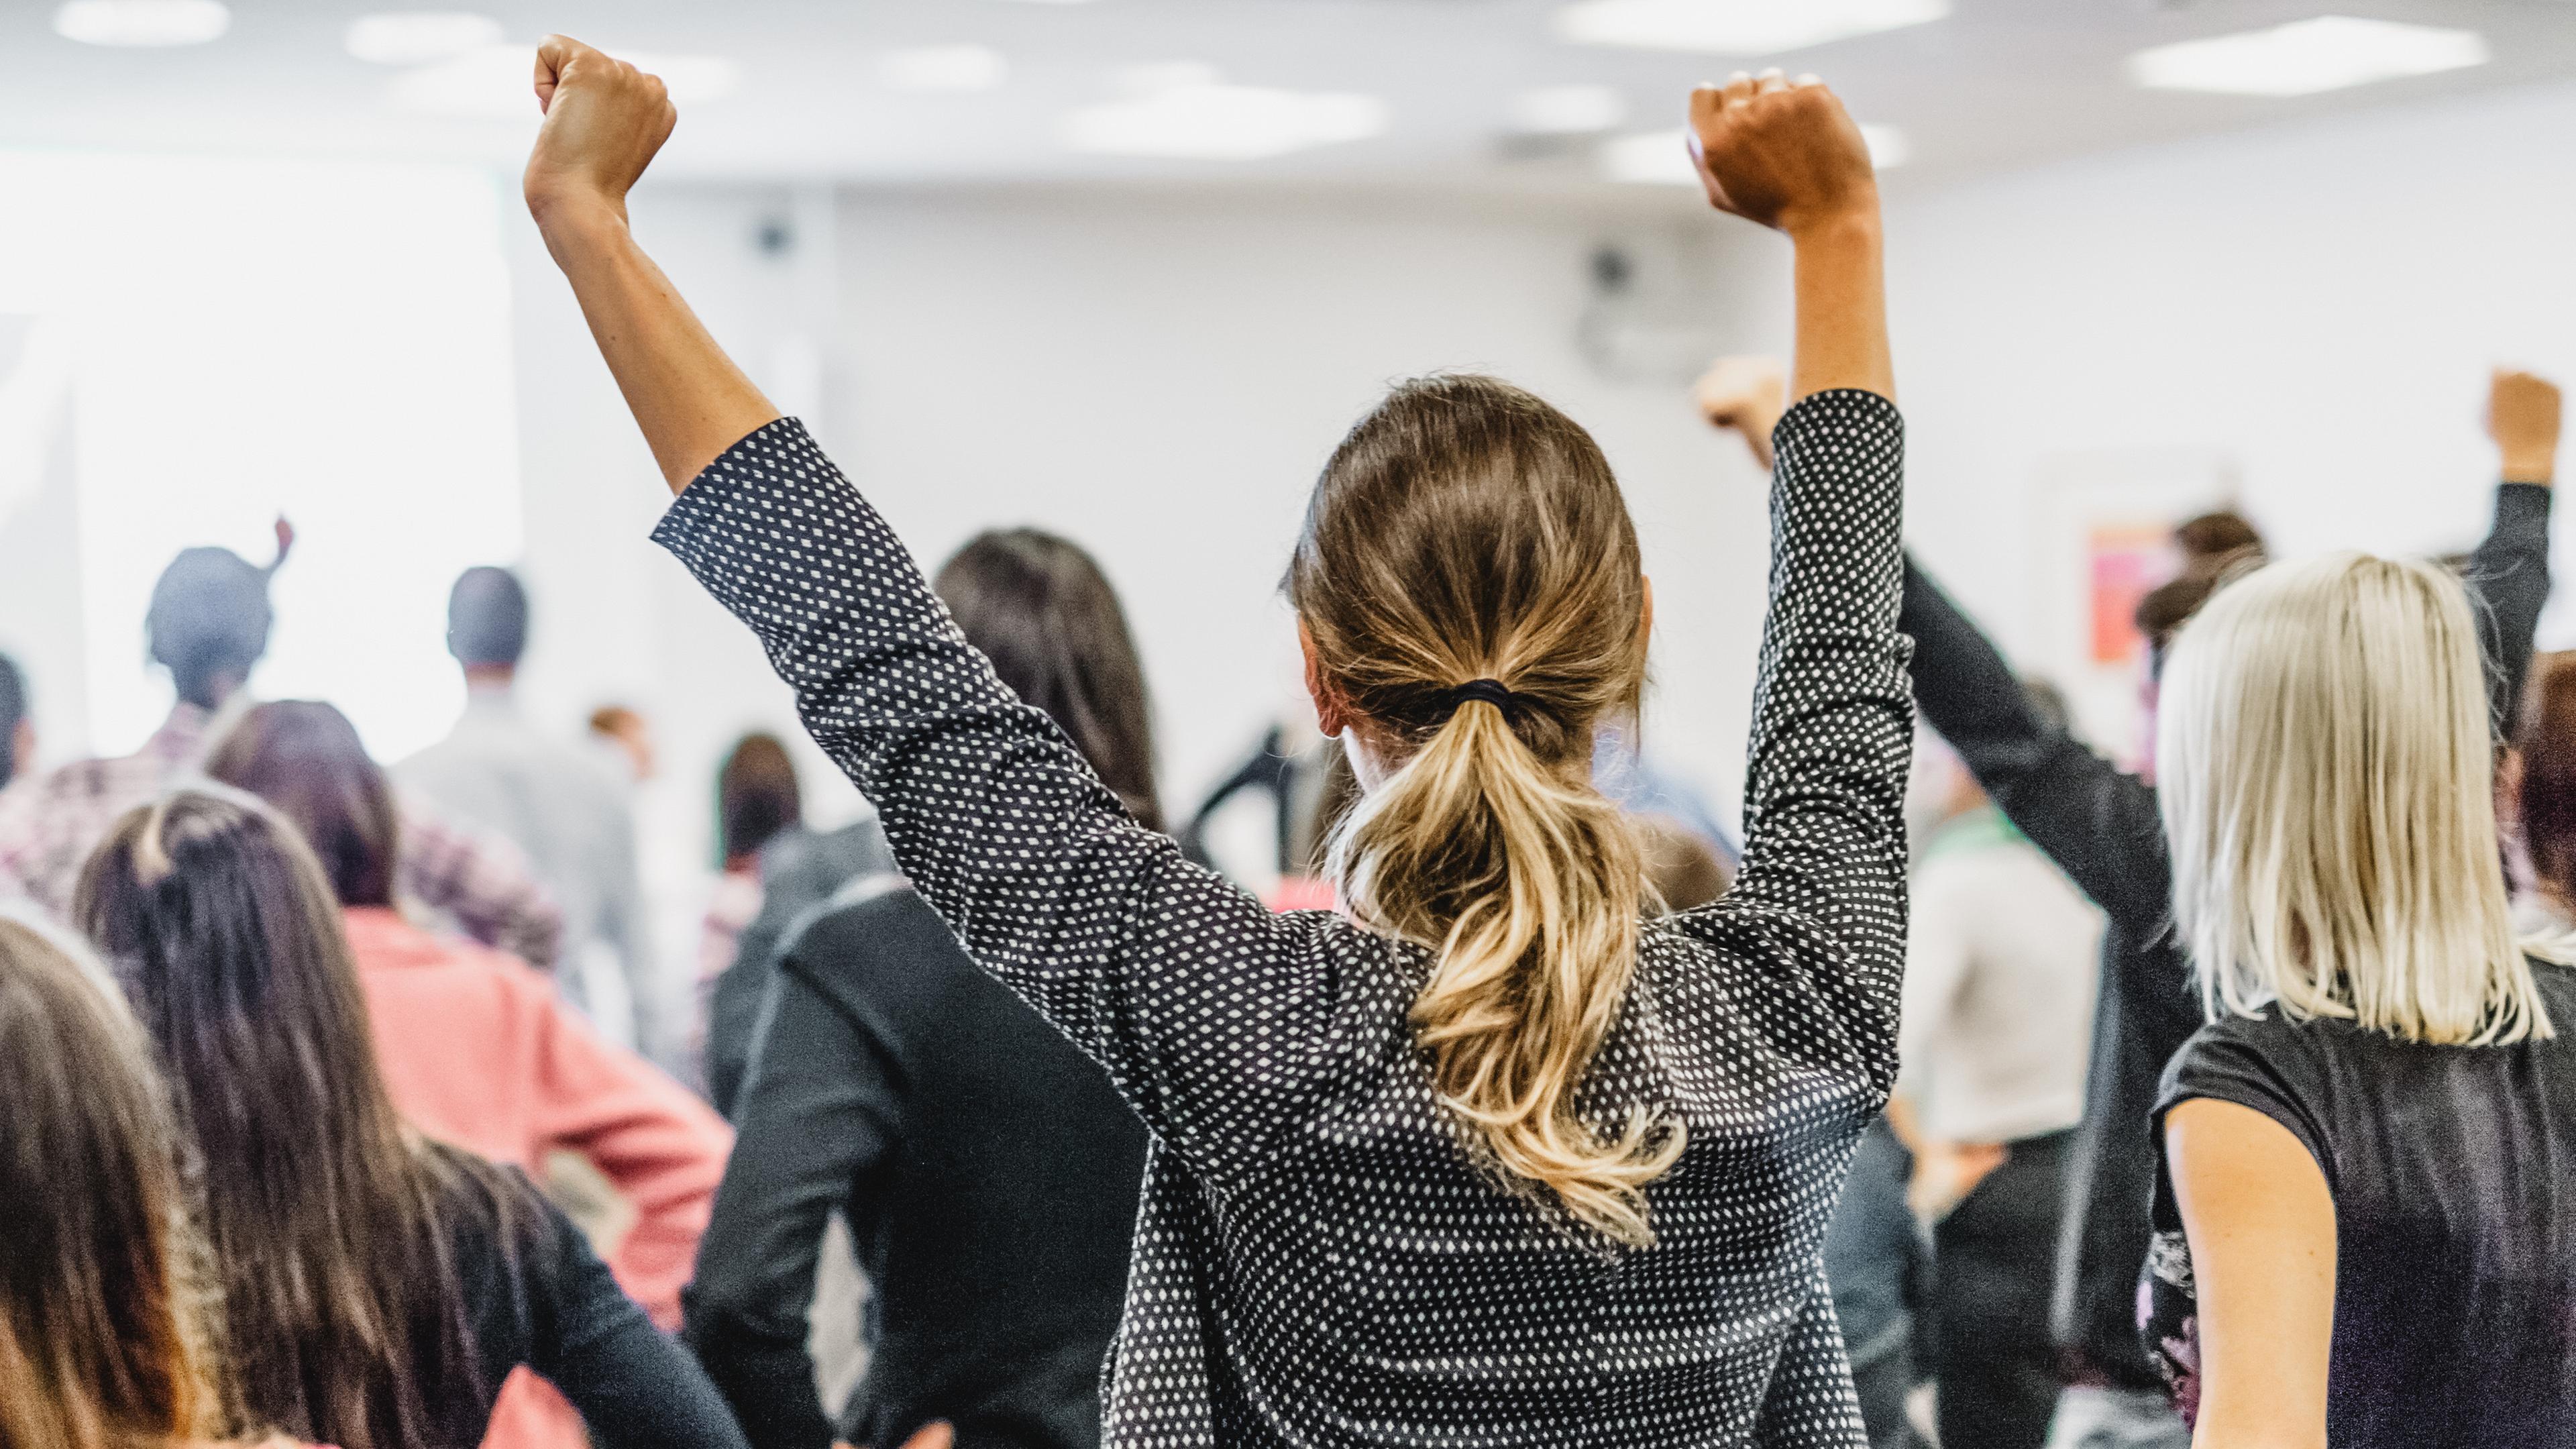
{"x":1319,"y":1259}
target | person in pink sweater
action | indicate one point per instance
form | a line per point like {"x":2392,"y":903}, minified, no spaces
{"x":477,"y":1048}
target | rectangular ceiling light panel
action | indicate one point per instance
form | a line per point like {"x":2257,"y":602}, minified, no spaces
{"x":1196,"y":117}
{"x":1738,"y":27}
{"x":2306,"y":57}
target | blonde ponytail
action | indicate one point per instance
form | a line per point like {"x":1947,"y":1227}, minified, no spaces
{"x":1469,"y":578}
{"x":1530,"y":886}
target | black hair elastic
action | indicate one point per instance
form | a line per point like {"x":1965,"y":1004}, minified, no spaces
{"x":1489,"y":691}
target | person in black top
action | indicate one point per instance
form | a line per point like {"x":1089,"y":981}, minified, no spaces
{"x":2099,"y":824}
{"x":1499,"y":1156}
{"x":376,"y":1287}
{"x":2364,"y":1235}
{"x":988,"y":1171}
{"x":800,"y":872}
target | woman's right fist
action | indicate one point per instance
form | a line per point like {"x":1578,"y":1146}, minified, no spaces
{"x":1785,"y":155}
{"x":604,"y":121}
{"x":2522,"y":417}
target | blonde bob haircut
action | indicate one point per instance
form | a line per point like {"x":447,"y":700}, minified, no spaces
{"x":2324,"y":762}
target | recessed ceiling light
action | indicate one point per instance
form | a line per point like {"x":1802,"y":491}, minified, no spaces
{"x":1568,"y":110}
{"x":1662,"y":158}
{"x":1737,"y":27}
{"x":2307,"y":56}
{"x":417,"y":37}
{"x":142,"y":22}
{"x":1183,"y":111}
{"x":938,"y":68}
{"x":492,"y":81}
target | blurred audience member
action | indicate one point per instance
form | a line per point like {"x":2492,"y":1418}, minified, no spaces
{"x":477,"y":1050}
{"x":1622,"y":770}
{"x":2363,"y":1230}
{"x":1042,"y":612}
{"x":208,"y":625}
{"x":1292,"y":766}
{"x":2539,"y":796}
{"x":2000,"y":976}
{"x":17,"y":723}
{"x":378,"y":1287}
{"x":2100,"y":825}
{"x":105,"y":1338}
{"x":757,"y":800}
{"x":1877,"y":1264}
{"x":2216,"y":549}
{"x":630,"y":735}
{"x":800,"y":871}
{"x":559,"y":803}
{"x":989,"y":1171}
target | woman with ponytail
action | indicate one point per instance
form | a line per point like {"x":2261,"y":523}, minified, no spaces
{"x":1500,"y":1157}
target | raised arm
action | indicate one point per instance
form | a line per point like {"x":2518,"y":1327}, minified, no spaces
{"x":604,"y":121}
{"x":1144,"y":960}
{"x":2097,"y":821}
{"x":2508,"y":575}
{"x":1832,"y":726}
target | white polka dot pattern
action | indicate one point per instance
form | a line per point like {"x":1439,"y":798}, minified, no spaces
{"x":1319,"y":1260}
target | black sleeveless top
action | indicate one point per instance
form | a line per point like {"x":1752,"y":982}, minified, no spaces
{"x":2453,"y":1171}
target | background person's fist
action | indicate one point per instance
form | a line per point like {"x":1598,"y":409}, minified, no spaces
{"x":1784,"y":155}
{"x":2522,"y":417}
{"x":1744,"y":395}
{"x":604,"y":121}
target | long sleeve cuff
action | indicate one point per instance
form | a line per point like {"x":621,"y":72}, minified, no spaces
{"x":2522,"y":505}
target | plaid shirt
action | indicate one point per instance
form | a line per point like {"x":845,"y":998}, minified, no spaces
{"x":476,"y":882}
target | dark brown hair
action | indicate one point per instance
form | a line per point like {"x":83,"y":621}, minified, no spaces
{"x":2546,"y":795}
{"x":756,"y":797}
{"x":304,"y":758}
{"x":1467,"y":531}
{"x":103,"y":1338}
{"x":328,"y":1220}
{"x":1044,"y":613}
{"x":2217,"y":548}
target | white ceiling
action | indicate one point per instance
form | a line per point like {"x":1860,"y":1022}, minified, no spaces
{"x":2001,"y":83}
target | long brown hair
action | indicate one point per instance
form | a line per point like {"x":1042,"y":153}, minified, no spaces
{"x":103,"y":1321}
{"x":327,"y":1219}
{"x":305,"y":759}
{"x":1467,"y":531}
{"x":1039,"y":607}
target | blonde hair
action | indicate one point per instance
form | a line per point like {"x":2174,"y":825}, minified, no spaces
{"x":2325,"y":763}
{"x":1467,"y":531}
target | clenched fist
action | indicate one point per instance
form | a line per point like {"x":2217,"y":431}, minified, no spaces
{"x":1784,"y":155}
{"x":2522,"y":417}
{"x":604,"y":121}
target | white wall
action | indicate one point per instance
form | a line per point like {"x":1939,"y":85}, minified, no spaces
{"x":1156,"y":377}
{"x":2319,"y":304}
{"x":1159,"y":376}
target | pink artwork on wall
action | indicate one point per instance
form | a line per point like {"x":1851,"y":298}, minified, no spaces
{"x":2123,"y":561}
